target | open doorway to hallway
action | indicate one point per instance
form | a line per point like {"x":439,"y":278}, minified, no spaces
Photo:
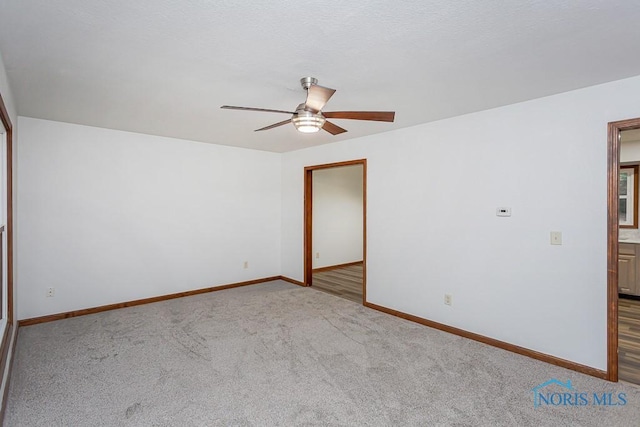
{"x":629,"y":257}
{"x":335,"y":249}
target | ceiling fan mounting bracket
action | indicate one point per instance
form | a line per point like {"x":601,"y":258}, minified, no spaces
{"x":307,"y":82}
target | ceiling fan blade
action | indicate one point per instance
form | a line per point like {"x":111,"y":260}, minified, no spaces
{"x":284,"y":122}
{"x":317,"y":97}
{"x":333,"y":129}
{"x":231,"y":107}
{"x":378,"y":116}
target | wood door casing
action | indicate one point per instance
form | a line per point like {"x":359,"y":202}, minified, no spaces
{"x":308,"y":220}
{"x":613,"y":227}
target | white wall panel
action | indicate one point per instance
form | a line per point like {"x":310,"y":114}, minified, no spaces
{"x":109,"y":216}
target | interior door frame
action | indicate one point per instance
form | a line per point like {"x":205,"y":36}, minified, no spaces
{"x":5,"y":342}
{"x":308,"y":219}
{"x":613,"y":177}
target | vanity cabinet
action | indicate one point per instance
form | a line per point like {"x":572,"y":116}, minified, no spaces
{"x":628,"y":257}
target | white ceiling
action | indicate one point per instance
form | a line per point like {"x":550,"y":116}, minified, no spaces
{"x":165,"y":67}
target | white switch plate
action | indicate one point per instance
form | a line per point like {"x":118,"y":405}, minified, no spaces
{"x":447,"y":299}
{"x":556,"y":237}
{"x":503,"y":211}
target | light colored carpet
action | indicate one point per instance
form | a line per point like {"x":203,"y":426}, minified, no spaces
{"x":278,"y":354}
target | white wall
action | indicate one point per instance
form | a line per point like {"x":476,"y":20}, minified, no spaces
{"x":432,"y":192}
{"x":337,"y":215}
{"x":108,"y":216}
{"x":629,"y":151}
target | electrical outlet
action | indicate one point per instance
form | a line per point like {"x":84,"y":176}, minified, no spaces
{"x":447,"y":299}
{"x":503,"y":211}
{"x":246,"y":264}
{"x":556,"y":237}
{"x":317,"y":255}
{"x":51,"y":292}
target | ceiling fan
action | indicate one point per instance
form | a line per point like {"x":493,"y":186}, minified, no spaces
{"x":309,"y":117}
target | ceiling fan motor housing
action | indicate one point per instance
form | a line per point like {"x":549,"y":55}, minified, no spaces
{"x":302,"y":107}
{"x":307,"y":82}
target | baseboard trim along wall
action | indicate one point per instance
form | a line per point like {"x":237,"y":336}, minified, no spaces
{"x":493,"y":342}
{"x":290,"y":280}
{"x":430,"y":323}
{"x":83,"y":312}
{"x":333,"y":267}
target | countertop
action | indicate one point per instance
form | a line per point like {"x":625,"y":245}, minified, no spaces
{"x":633,"y":240}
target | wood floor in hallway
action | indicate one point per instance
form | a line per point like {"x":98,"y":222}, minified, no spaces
{"x":629,"y":340}
{"x":345,"y":282}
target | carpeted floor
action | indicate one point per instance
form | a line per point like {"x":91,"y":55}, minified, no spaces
{"x":279,"y":354}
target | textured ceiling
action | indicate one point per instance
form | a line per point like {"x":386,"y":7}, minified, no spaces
{"x":165,"y":67}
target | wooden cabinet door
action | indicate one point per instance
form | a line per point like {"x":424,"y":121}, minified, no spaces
{"x":627,"y":274}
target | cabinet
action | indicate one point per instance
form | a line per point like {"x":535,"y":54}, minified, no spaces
{"x":628,"y":257}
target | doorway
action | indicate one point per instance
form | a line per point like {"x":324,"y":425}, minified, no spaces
{"x":335,"y":228}
{"x":6,"y":236}
{"x":621,"y":257}
{"x":628,"y":254}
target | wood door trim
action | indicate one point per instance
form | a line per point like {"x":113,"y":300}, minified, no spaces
{"x":308,"y":219}
{"x":6,"y":122}
{"x":337,"y":164}
{"x":613,"y":178}
{"x":8,"y":339}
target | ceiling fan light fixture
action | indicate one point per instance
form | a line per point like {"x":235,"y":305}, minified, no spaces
{"x":308,"y":122}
